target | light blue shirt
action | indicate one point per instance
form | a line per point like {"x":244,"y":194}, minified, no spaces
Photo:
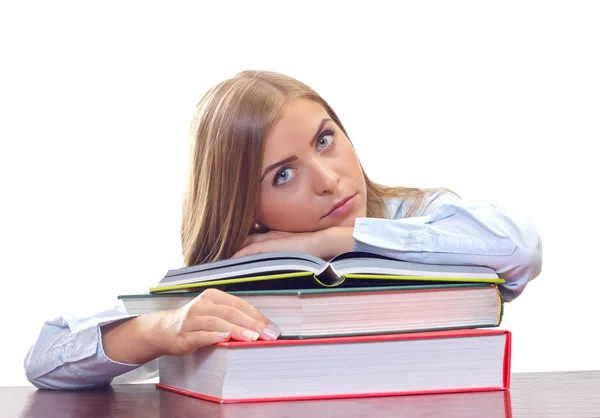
{"x":449,"y":230}
{"x":68,"y":353}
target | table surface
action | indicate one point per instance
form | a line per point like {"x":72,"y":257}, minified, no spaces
{"x":551,"y":394}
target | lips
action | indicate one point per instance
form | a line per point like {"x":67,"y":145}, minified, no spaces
{"x":339,"y":204}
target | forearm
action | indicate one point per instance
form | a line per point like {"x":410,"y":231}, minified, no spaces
{"x":460,"y":234}
{"x":68,"y":354}
{"x":334,"y":241}
{"x":133,"y":341}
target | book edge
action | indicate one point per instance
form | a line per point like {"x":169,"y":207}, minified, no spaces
{"x":427,"y":335}
{"x":330,"y":396}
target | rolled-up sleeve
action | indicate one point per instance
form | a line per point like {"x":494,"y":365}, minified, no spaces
{"x":68,"y":353}
{"x":452,"y":231}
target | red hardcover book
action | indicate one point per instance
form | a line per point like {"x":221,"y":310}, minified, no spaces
{"x":348,"y":367}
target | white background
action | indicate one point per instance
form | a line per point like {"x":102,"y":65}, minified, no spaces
{"x":499,"y":101}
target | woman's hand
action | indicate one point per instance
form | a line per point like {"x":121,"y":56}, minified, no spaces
{"x":211,"y":317}
{"x":325,"y":244}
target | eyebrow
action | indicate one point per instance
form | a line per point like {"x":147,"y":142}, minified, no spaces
{"x":294,"y":157}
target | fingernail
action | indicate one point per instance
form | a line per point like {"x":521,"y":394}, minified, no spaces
{"x":251,"y":335}
{"x":271,"y":332}
{"x":223,"y":336}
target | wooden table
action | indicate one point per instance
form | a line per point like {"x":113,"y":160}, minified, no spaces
{"x":554,"y":394}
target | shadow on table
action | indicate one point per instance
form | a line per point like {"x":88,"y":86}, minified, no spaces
{"x":147,"y":401}
{"x":476,"y":404}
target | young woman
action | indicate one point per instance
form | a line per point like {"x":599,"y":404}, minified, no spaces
{"x":272,"y":169}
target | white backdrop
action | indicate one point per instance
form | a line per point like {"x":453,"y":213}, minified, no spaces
{"x":497,"y":101}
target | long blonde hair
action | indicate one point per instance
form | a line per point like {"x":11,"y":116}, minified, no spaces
{"x":227,"y":137}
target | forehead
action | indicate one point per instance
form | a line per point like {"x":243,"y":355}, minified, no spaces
{"x":299,"y":120}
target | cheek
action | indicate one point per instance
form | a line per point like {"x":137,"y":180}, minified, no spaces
{"x":285,"y":211}
{"x":352,"y":166}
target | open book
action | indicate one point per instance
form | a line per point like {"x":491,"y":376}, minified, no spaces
{"x":299,"y":270}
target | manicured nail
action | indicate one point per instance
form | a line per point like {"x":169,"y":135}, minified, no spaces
{"x":224,"y":336}
{"x":271,"y":332}
{"x":251,"y":335}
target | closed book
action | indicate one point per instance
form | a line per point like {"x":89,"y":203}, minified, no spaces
{"x":311,"y":313}
{"x":350,"y":367}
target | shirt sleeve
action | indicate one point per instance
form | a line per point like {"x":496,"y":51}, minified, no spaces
{"x":68,"y":354}
{"x":451,"y":231}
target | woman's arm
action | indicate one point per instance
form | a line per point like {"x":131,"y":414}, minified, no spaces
{"x":447,"y":231}
{"x":68,"y":354}
{"x":452,"y":231}
{"x":77,"y":352}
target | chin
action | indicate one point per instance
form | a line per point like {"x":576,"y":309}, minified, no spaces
{"x":349,"y":221}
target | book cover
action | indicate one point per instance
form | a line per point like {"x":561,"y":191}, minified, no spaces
{"x":467,"y":370}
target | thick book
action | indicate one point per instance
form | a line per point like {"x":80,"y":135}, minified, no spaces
{"x":350,"y":367}
{"x":299,"y":270}
{"x":327,"y":312}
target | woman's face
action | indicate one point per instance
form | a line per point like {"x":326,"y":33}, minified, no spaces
{"x":311,"y":178}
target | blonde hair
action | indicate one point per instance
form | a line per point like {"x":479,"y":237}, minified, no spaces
{"x":227,"y":137}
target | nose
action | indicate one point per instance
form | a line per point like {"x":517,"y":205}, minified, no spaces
{"x":325,"y":178}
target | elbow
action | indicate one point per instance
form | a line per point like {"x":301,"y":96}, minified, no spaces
{"x":525,"y":264}
{"x":43,"y":382}
{"x":49,"y":382}
{"x":58,"y":378}
{"x":530,"y":254}
{"x":32,"y":373}
{"x":36,"y":381}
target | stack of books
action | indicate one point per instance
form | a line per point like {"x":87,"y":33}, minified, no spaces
{"x":359,"y":325}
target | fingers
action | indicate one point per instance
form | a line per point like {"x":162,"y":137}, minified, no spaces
{"x":242,"y":326}
{"x":235,"y":311}
{"x":259,"y":247}
{"x":251,"y":239}
{"x":237,"y":255}
{"x":263,"y":243}
{"x":251,"y":249}
{"x":239,"y":333}
{"x":271,"y":235}
{"x":247,"y":241}
{"x":221,"y":298}
{"x":203,"y":338}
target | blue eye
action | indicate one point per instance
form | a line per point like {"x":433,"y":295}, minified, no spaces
{"x":325,"y":140}
{"x":283,"y":176}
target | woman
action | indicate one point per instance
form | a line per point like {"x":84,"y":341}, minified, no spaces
{"x":272,"y":169}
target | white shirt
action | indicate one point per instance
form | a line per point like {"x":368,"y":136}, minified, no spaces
{"x":68,"y":353}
